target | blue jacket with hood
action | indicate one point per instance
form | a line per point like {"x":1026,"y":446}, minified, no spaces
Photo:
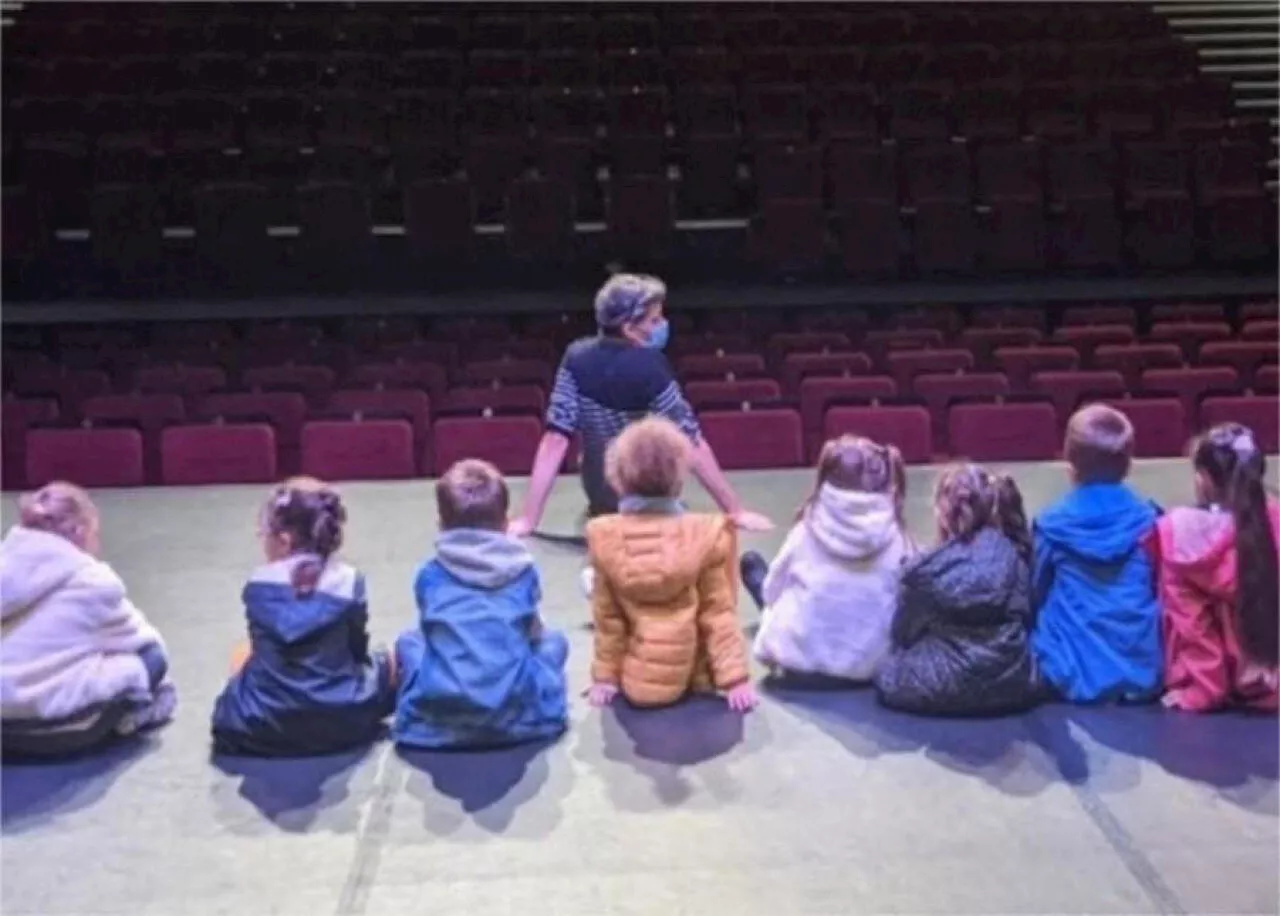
{"x":1097,"y":633}
{"x":310,"y":685}
{"x":479,"y":671}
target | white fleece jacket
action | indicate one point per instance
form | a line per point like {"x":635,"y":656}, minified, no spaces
{"x":69,"y":636}
{"x":832,"y":590}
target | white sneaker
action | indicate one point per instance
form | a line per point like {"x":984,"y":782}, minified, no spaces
{"x":587,"y":579}
{"x":160,"y":709}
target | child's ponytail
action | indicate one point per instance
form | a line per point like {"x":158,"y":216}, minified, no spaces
{"x":1010,"y":514}
{"x":1229,"y":456}
{"x":311,"y":513}
{"x":1258,"y":594}
{"x":898,"y":475}
{"x":857,"y":463}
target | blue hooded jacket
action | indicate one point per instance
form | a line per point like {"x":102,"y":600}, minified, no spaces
{"x":1097,"y":633}
{"x":479,"y":672}
{"x":309,"y":685}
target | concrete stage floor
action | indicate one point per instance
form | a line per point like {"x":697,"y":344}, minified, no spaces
{"x":817,"y":803}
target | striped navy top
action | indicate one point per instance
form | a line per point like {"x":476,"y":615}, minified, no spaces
{"x":602,"y":385}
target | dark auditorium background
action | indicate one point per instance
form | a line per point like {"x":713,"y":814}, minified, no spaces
{"x":242,"y":240}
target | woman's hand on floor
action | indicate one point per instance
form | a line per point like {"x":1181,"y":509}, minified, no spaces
{"x":520,"y":527}
{"x":601,"y":694}
{"x":743,"y":698}
{"x":746,"y":520}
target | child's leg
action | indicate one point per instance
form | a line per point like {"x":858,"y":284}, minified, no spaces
{"x":553,"y":648}
{"x":410,"y":647}
{"x":156,"y":663}
{"x":753,"y":569}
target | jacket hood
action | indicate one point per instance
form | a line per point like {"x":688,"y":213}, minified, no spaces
{"x":1101,"y":522}
{"x":651,"y":558}
{"x":272,"y":602}
{"x":851,"y":524}
{"x":480,"y":558}
{"x":33,"y":564}
{"x":984,"y":572}
{"x":1199,"y":541}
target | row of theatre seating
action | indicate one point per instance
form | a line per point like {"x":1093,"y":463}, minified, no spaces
{"x":517,"y":118}
{"x":991,"y":392}
{"x":74,"y":29}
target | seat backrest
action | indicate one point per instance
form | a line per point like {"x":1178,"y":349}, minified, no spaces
{"x":359,"y":450}
{"x":1159,"y":425}
{"x":410,"y":401}
{"x":509,"y":443}
{"x":727,"y":392}
{"x":1260,"y":413}
{"x":218,"y":454}
{"x":88,"y":457}
{"x":285,"y":410}
{"x":757,"y":438}
{"x":908,"y":428}
{"x":1004,"y":432}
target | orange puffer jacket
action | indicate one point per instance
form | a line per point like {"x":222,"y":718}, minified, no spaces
{"x":665,"y":605}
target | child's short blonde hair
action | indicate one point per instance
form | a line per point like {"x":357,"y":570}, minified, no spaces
{"x":649,"y":458}
{"x":59,"y":508}
{"x":473,"y":494}
{"x":1099,"y":444}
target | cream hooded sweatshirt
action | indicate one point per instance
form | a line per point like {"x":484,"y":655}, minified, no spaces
{"x":831,"y":592}
{"x":69,"y":636}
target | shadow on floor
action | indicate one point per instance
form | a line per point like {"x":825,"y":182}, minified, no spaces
{"x":999,"y":751}
{"x":33,"y":793}
{"x":293,"y":792}
{"x":679,"y":751}
{"x":1234,"y":752}
{"x":489,"y":786}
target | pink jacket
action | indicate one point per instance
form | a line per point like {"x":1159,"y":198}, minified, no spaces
{"x":1195,"y":562}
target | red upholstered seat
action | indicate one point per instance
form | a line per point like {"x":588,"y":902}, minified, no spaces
{"x":88,"y":457}
{"x":725,"y":392}
{"x":1159,"y":425}
{"x":1190,"y":385}
{"x":358,"y":450}
{"x":1005,"y":432}
{"x":218,"y":453}
{"x":908,"y":428}
{"x":1067,"y":389}
{"x":1260,"y":413}
{"x":508,"y":442}
{"x":764,"y":438}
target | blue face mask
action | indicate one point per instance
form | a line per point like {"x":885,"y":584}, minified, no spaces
{"x":659,"y":334}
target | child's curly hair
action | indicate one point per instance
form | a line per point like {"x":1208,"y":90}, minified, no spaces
{"x":310,"y":513}
{"x":969,"y":498}
{"x":59,"y":508}
{"x":648,"y":458}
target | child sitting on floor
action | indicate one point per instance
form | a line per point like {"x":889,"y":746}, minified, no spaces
{"x":479,"y":670}
{"x":1216,"y":568}
{"x":829,"y":596}
{"x":961,"y":635}
{"x":309,"y":684}
{"x":79,"y":664}
{"x":665,"y":594}
{"x":1097,"y":633}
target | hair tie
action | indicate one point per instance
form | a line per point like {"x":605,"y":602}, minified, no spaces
{"x":1244,"y":446}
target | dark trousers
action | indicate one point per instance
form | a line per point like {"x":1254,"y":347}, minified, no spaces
{"x":85,"y":730}
{"x":753,"y":569}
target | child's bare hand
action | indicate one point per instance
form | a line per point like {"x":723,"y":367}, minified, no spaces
{"x":601,"y":694}
{"x":747,"y":520}
{"x":743,"y":698}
